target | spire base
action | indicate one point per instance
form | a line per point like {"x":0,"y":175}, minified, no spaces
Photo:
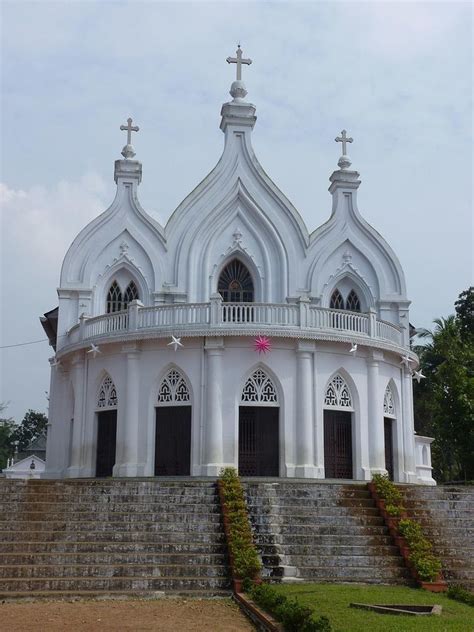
{"x":238,"y":114}
{"x":128,"y":171}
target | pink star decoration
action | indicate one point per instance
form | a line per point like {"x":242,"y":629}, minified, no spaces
{"x":262,"y":344}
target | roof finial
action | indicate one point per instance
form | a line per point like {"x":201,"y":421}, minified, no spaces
{"x":128,"y":151}
{"x":344,"y":161}
{"x":237,"y":89}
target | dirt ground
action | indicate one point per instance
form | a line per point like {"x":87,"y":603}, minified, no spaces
{"x":160,"y":615}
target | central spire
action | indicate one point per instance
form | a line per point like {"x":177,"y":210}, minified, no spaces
{"x":238,"y":90}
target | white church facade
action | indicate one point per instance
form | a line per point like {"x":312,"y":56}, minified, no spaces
{"x":232,"y":336}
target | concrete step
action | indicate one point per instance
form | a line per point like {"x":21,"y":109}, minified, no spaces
{"x":309,"y":550}
{"x":115,"y":558}
{"x":100,"y":595}
{"x":347,"y":561}
{"x":130,"y":585}
{"x":111,"y":526}
{"x":129,"y":535}
{"x":344,"y":573}
{"x":307,"y":509}
{"x":109,"y":517}
{"x":179,"y":504}
{"x":112,"y":570}
{"x":52,"y":548}
{"x":336,"y":541}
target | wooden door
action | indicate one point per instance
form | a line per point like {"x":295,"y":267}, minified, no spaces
{"x":259,"y":445}
{"x":106,"y":442}
{"x":338,"y":444}
{"x":173,"y":441}
{"x":388,"y":432}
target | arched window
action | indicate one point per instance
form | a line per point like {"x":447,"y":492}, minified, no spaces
{"x":235,"y":283}
{"x":388,"y":405}
{"x":131,"y":294}
{"x":173,"y":389}
{"x":338,"y":394}
{"x":114,"y":298}
{"x":107,"y":394}
{"x":337,"y":301}
{"x":352,"y":302}
{"x":259,"y":389}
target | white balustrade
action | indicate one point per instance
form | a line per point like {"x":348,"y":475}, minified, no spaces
{"x":235,"y":315}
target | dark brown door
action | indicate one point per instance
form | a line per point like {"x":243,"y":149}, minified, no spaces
{"x":106,"y":442}
{"x":173,"y":441}
{"x":259,"y":441}
{"x":337,"y":444}
{"x":388,"y":425}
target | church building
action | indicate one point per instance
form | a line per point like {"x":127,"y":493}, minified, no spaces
{"x":232,"y":336}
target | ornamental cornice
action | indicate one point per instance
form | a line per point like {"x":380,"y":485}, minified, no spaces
{"x":291,"y":333}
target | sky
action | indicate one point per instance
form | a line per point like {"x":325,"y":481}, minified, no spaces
{"x":396,"y":75}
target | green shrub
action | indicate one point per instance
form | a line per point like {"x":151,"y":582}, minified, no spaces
{"x":246,"y":561}
{"x":388,"y":492}
{"x":426,"y":564}
{"x":459,"y":593}
{"x":294,"y":616}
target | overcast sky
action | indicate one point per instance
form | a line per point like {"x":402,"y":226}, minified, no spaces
{"x":396,"y":75}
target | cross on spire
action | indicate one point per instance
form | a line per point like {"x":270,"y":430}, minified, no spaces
{"x":129,"y":128}
{"x":344,"y":140}
{"x":239,"y":61}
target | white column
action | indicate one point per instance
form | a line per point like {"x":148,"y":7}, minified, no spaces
{"x":304,"y":411}
{"x":78,"y":382}
{"x":375,"y":415}
{"x":213,"y":440}
{"x":408,"y":427}
{"x":128,"y":432}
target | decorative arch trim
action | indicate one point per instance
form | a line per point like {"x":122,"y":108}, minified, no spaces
{"x":107,"y":397}
{"x":389,"y":403}
{"x":259,"y":390}
{"x":338,"y":394}
{"x":174,"y":389}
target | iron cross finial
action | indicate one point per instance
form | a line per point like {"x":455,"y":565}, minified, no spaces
{"x":344,"y":140}
{"x":239,"y":61}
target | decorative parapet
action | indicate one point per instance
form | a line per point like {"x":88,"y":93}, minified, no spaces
{"x":424,"y":469}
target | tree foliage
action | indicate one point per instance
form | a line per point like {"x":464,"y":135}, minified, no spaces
{"x":7,"y":444}
{"x":444,"y":401}
{"x":31,"y":427}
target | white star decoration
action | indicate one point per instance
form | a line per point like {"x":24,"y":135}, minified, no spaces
{"x":175,"y":342}
{"x":406,"y":360}
{"x":94,"y":350}
{"x":353,"y":349}
{"x":418,"y":376}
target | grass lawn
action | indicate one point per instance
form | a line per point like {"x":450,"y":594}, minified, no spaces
{"x":333,"y":601}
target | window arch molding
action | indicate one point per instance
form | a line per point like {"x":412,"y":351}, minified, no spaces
{"x":339,"y":393}
{"x":174,"y":388}
{"x":344,"y":283}
{"x":107,"y":397}
{"x":254,"y":271}
{"x":390,"y":401}
{"x":260,"y":387}
{"x":123,"y":273}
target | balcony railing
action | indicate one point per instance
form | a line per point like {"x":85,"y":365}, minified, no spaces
{"x":217,"y":315}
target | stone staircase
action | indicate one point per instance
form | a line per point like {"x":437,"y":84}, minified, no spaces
{"x":322,"y":532}
{"x":97,"y":537}
{"x":447,"y":516}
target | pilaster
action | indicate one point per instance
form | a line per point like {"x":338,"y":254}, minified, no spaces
{"x":304,"y":411}
{"x":375,"y":416}
{"x":213,"y":439}
{"x":78,"y":382}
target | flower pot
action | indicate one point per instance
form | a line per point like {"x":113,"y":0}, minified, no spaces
{"x":237,"y":585}
{"x":372,"y":489}
{"x":436,"y":586}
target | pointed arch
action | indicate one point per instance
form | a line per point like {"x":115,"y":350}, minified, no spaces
{"x":130,"y":281}
{"x":338,"y":394}
{"x":235,"y":282}
{"x":353,"y":302}
{"x":337,"y":302}
{"x":389,"y":402}
{"x":174,"y":389}
{"x":130,"y":294}
{"x":259,"y":389}
{"x":114,"y":298}
{"x":107,"y":397}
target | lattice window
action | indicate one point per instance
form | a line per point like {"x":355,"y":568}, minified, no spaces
{"x":337,"y":302}
{"x":114,"y":298}
{"x":131,"y":294}
{"x":259,"y":389}
{"x":235,"y":283}
{"x":352,"y":302}
{"x":338,"y":394}
{"x":173,"y":389}
{"x":107,"y":394}
{"x":388,"y":403}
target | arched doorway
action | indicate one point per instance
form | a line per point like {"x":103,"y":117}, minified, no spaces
{"x":107,"y":404}
{"x":388,"y":421}
{"x":235,"y":283}
{"x":173,"y":426}
{"x":338,"y":410}
{"x":259,"y":444}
